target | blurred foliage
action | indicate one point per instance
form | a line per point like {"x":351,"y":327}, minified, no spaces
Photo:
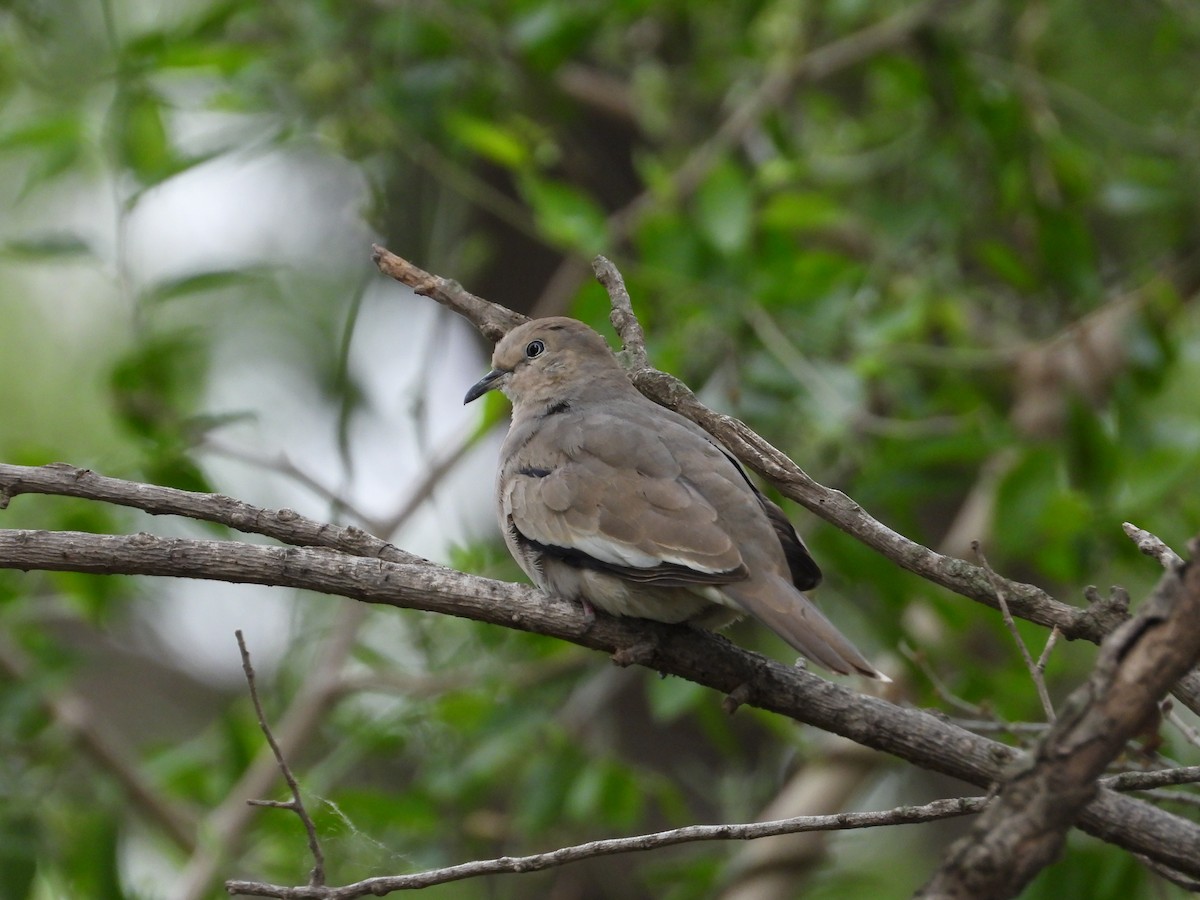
{"x":954,"y":277}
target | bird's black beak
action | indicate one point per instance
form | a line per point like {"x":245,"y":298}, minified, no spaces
{"x":483,"y":385}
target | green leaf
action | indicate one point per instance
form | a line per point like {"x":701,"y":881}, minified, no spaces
{"x":724,"y":206}
{"x":141,"y":135}
{"x":203,"y":282}
{"x":47,"y":246}
{"x":802,"y":211}
{"x":489,"y":139}
{"x":1006,"y":264}
{"x":567,"y":216}
{"x":43,"y":133}
{"x":605,"y":791}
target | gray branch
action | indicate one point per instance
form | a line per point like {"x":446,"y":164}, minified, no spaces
{"x":1025,"y":601}
{"x":708,"y":659}
{"x":1024,"y":830}
{"x":905,"y":815}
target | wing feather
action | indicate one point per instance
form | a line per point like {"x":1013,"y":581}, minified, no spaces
{"x":609,"y":493}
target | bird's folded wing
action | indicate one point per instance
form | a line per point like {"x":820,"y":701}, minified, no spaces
{"x":639,"y":519}
{"x":805,"y":572}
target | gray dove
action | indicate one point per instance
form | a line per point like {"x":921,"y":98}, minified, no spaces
{"x":606,"y":497}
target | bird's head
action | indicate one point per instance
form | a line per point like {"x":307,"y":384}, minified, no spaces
{"x":550,"y":360}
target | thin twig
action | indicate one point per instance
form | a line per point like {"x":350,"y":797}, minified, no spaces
{"x":938,"y":809}
{"x":622,"y":316}
{"x":1177,"y":878}
{"x":1035,"y":669}
{"x":435,"y":473}
{"x":1055,"y":634}
{"x":1190,"y":734}
{"x":999,"y":726}
{"x":284,"y":525}
{"x":1024,"y":830}
{"x":939,"y":687}
{"x":229,"y":821}
{"x":316,"y":877}
{"x":493,"y":320}
{"x":1143,"y":781}
{"x":284,"y":465}
{"x":1152,"y":546}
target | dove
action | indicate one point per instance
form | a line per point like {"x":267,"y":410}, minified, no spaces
{"x":605,"y":497}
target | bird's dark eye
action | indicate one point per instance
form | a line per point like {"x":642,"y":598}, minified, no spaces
{"x":534,"y":348}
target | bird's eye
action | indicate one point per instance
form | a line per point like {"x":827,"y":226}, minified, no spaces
{"x":534,"y":348}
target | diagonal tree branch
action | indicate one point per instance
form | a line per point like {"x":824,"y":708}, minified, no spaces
{"x":493,"y":320}
{"x":698,"y":656}
{"x":1025,"y":601}
{"x":1023,"y":831}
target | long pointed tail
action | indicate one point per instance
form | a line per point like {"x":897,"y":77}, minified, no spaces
{"x":792,"y":616}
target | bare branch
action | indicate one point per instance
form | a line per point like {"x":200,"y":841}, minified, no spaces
{"x":1055,"y":634}
{"x":1035,"y":669}
{"x":1144,"y":781}
{"x":629,"y":329}
{"x":316,"y":876}
{"x":1025,"y":829}
{"x":1190,"y":734}
{"x":228,"y":822}
{"x":492,"y":320}
{"x":284,"y":465}
{"x":905,"y":815}
{"x":698,"y":656}
{"x":435,"y":473}
{"x":1189,"y":884}
{"x":1153,"y":546}
{"x":284,"y":525}
{"x":939,"y":687}
{"x":938,"y":809}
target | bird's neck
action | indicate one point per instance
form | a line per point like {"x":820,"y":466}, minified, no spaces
{"x":600,"y":390}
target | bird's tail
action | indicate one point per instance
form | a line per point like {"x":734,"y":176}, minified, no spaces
{"x":792,"y":616}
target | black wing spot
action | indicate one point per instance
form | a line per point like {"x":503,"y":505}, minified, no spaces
{"x":534,"y":471}
{"x":805,"y":572}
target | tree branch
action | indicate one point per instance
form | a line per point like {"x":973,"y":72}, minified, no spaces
{"x":698,"y":656}
{"x":284,"y":525}
{"x":493,"y":320}
{"x":1025,"y":601}
{"x":1153,"y":546}
{"x":1024,"y":830}
{"x":905,"y":815}
{"x":1035,"y":669}
{"x":226,"y":825}
{"x":316,"y":877}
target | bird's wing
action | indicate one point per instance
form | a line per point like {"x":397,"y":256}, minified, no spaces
{"x":606,"y":489}
{"x":805,"y":572}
